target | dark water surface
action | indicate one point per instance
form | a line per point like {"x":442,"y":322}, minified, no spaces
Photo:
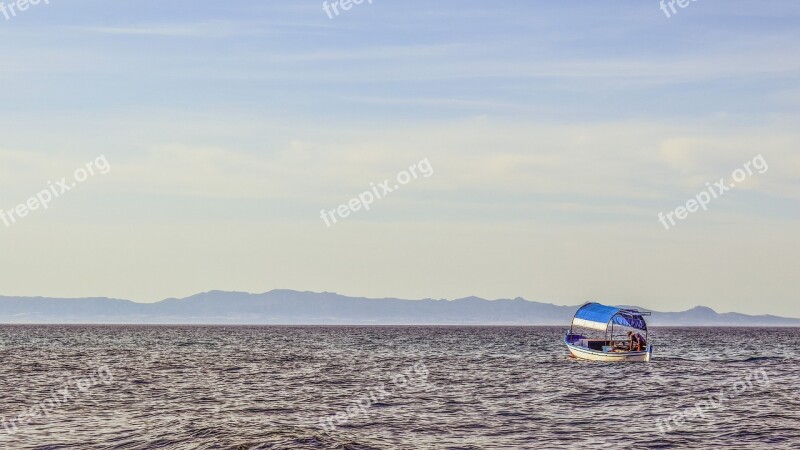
{"x":137,"y":387}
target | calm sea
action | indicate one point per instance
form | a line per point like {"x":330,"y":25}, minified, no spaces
{"x":138,"y":387}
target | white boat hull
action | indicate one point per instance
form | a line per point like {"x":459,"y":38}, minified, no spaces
{"x":594,"y":355}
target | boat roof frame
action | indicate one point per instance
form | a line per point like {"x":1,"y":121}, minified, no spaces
{"x":628,"y":313}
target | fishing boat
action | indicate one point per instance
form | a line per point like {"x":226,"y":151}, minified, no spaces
{"x":616,"y":344}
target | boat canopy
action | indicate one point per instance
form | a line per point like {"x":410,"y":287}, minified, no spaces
{"x":598,"y":317}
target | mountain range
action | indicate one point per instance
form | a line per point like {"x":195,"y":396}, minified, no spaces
{"x":312,"y":308}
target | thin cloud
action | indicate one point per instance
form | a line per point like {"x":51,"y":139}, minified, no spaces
{"x":199,"y":30}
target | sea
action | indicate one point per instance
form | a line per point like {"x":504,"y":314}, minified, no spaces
{"x":391,"y":387}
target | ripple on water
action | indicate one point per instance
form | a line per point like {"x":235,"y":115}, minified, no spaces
{"x":484,"y":388}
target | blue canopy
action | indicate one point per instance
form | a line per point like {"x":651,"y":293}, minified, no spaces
{"x":598,"y":317}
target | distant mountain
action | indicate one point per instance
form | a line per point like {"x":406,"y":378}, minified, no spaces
{"x":311,"y":308}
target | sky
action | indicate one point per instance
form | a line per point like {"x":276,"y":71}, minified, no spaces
{"x":555,"y":134}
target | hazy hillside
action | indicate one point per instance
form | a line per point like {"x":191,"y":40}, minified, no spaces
{"x":293,"y":307}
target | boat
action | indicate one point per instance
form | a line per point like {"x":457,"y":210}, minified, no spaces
{"x":615,"y":344}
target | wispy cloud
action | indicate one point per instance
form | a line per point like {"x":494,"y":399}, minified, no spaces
{"x":215,"y":29}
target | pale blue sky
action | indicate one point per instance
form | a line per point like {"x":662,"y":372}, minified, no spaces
{"x":557,"y":131}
